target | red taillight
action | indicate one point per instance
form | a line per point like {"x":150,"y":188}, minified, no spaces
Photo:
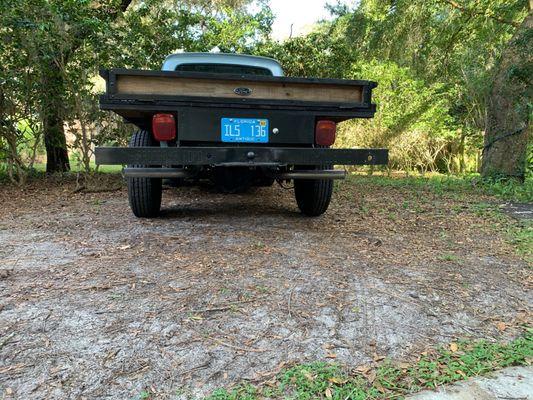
{"x":164,"y":127}
{"x":325,"y":133}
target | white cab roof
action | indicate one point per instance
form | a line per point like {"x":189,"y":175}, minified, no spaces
{"x":173,"y":60}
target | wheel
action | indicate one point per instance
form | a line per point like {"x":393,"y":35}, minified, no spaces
{"x":313,"y":195}
{"x":144,"y":194}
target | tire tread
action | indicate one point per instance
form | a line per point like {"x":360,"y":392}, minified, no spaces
{"x":313,"y":195}
{"x":144,"y":194}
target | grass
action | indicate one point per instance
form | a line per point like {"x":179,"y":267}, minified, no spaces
{"x":388,"y":380}
{"x":39,"y":169}
{"x":440,"y":184}
{"x":449,"y":257}
{"x":76,"y":167}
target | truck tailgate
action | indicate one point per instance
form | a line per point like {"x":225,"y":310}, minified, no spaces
{"x":136,"y":94}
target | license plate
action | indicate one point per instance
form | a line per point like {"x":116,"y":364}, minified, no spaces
{"x":244,"y":130}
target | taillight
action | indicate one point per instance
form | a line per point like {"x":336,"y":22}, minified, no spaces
{"x":325,"y":133}
{"x":164,"y":127}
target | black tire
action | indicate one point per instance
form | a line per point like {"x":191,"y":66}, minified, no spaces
{"x":313,"y":195}
{"x":144,"y":194}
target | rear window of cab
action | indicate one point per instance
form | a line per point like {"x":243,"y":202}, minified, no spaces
{"x":224,"y":69}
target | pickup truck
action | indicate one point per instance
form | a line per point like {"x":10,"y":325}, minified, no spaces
{"x":236,"y":121}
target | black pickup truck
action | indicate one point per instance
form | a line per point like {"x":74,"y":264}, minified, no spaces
{"x":236,"y":121}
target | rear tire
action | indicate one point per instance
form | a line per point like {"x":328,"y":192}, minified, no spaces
{"x":144,"y":194}
{"x":313,"y":195}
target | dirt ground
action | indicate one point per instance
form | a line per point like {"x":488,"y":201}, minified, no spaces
{"x":224,"y":288}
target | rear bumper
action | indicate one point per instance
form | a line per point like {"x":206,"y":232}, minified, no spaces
{"x":239,"y":156}
{"x":165,"y":172}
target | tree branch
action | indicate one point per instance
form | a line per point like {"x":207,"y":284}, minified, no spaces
{"x":461,"y":8}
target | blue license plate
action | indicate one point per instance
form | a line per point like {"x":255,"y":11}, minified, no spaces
{"x":244,"y":130}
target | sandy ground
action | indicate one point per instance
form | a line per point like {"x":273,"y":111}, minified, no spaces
{"x":224,"y":288}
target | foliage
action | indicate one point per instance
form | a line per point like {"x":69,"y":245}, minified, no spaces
{"x":433,"y":61}
{"x":413,"y":119}
{"x":52,"y":50}
{"x":444,"y":365}
{"x":439,"y":55}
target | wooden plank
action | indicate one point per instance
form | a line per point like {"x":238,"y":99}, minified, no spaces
{"x":176,"y":86}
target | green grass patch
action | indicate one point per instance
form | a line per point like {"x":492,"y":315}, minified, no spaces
{"x":521,"y":236}
{"x":439,"y":184}
{"x":449,"y":257}
{"x":389,"y":380}
{"x":76,"y":167}
{"x":39,"y":170}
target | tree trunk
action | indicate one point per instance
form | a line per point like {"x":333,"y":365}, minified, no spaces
{"x":507,"y":126}
{"x":52,"y":108}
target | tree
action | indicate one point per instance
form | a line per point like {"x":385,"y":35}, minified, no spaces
{"x":49,"y":33}
{"x":61,"y":45}
{"x":457,"y":43}
{"x":509,"y":107}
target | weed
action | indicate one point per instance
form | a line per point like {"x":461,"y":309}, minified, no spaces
{"x":262,"y":289}
{"x":144,"y":395}
{"x":449,"y":257}
{"x":364,"y":208}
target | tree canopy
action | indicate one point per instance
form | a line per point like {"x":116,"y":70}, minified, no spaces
{"x":439,"y":65}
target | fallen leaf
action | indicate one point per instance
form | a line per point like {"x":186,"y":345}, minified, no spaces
{"x":328,"y":393}
{"x":501,"y":326}
{"x":378,"y":386}
{"x":362,"y":369}
{"x":331,"y":355}
{"x":338,"y":381}
{"x":461,"y":373}
{"x":308,"y":375}
{"x":453,"y":347}
{"x":371,"y":376}
{"x":404,"y":365}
